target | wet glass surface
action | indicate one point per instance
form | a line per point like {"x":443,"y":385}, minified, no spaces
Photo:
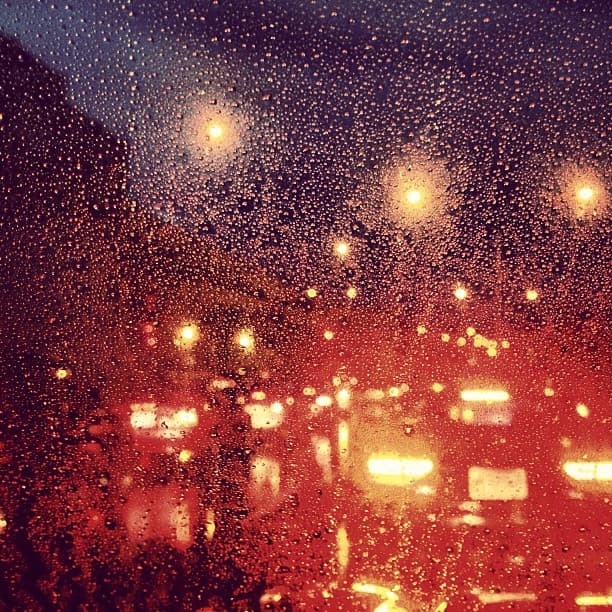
{"x":305,"y":305}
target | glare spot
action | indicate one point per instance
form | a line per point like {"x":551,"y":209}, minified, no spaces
{"x":531,"y":295}
{"x":461,"y":293}
{"x":311,"y":292}
{"x":328,"y":334}
{"x":582,"y":410}
{"x":185,"y":455}
{"x":549,"y":391}
{"x":351,"y":293}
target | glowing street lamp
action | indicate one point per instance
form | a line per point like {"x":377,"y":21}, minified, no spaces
{"x":461,"y":293}
{"x":342,"y":249}
{"x":245,"y":340}
{"x":186,"y":336}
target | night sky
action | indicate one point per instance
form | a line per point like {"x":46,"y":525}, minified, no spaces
{"x":494,"y":103}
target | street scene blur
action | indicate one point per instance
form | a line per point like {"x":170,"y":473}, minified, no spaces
{"x":305,"y":306}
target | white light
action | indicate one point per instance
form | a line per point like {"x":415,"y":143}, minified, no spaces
{"x":399,"y":467}
{"x":588,"y":470}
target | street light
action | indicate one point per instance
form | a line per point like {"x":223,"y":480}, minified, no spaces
{"x":187,"y":335}
{"x":245,"y":340}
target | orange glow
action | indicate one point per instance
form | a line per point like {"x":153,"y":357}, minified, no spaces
{"x":531,"y":295}
{"x":351,"y":293}
{"x":437,"y":387}
{"x":484,"y":395}
{"x":589,"y":470}
{"x":582,"y":410}
{"x":343,"y":397}
{"x":161,"y":422}
{"x":328,"y":334}
{"x":311,"y":292}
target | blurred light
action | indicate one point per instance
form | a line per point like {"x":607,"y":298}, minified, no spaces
{"x":209,"y":522}
{"x":258,"y":396}
{"x":342,"y":249}
{"x":582,"y":410}
{"x":185,"y":455}
{"x":467,"y":415}
{"x":351,"y":293}
{"x":445,"y":338}
{"x":265,"y":416}
{"x":342,"y":547}
{"x":324,"y":401}
{"x":186,"y":417}
{"x":374,"y":394}
{"x":245,"y":340}
{"x":461,"y":341}
{"x":394,"y":392}
{"x":399,"y":469}
{"x":413,"y":197}
{"x":311,"y":292}
{"x":186,"y":336}
{"x":585,"y":194}
{"x":328,"y":334}
{"x":588,"y":470}
{"x":62,"y":373}
{"x":437,"y":387}
{"x":505,"y":344}
{"x":343,"y":397}
{"x":461,"y":293}
{"x":589,"y":599}
{"x":492,"y":351}
{"x":549,"y":391}
{"x":488,"y":597}
{"x":484,"y":395}
{"x":470,"y":331}
{"x":375,"y":589}
{"x":3,"y":523}
{"x":143,"y":416}
{"x":223,"y":383}
{"x":343,"y":437}
{"x":492,"y":484}
{"x":531,"y":295}
{"x":421,"y":330}
{"x":309,"y":391}
{"x":215,"y":131}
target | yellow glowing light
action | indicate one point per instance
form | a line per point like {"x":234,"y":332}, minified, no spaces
{"x":589,"y":470}
{"x":3,"y":524}
{"x":309,"y":391}
{"x":187,"y":335}
{"x":445,"y":338}
{"x":311,"y":292}
{"x":62,"y":373}
{"x":186,"y":418}
{"x":531,"y":295}
{"x":467,"y":415}
{"x":185,"y":455}
{"x":421,"y":330}
{"x":437,"y":387}
{"x":143,"y":416}
{"x":375,"y":589}
{"x":582,"y":410}
{"x":342,"y":547}
{"x":258,"y":395}
{"x":593,"y":600}
{"x":342,"y":249}
{"x":324,"y":401}
{"x":461,"y":341}
{"x":399,"y":469}
{"x":343,"y":437}
{"x":351,"y":293}
{"x":549,"y":391}
{"x":461,"y":293}
{"x":394,"y":391}
{"x":215,"y":131}
{"x":492,"y":351}
{"x":470,"y":331}
{"x":245,"y":340}
{"x":328,"y":334}
{"x":414,"y":197}
{"x":484,"y":395}
{"x":585,"y":193}
{"x":343,"y":397}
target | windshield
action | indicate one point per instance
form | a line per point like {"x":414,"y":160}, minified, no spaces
{"x":305,"y":305}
